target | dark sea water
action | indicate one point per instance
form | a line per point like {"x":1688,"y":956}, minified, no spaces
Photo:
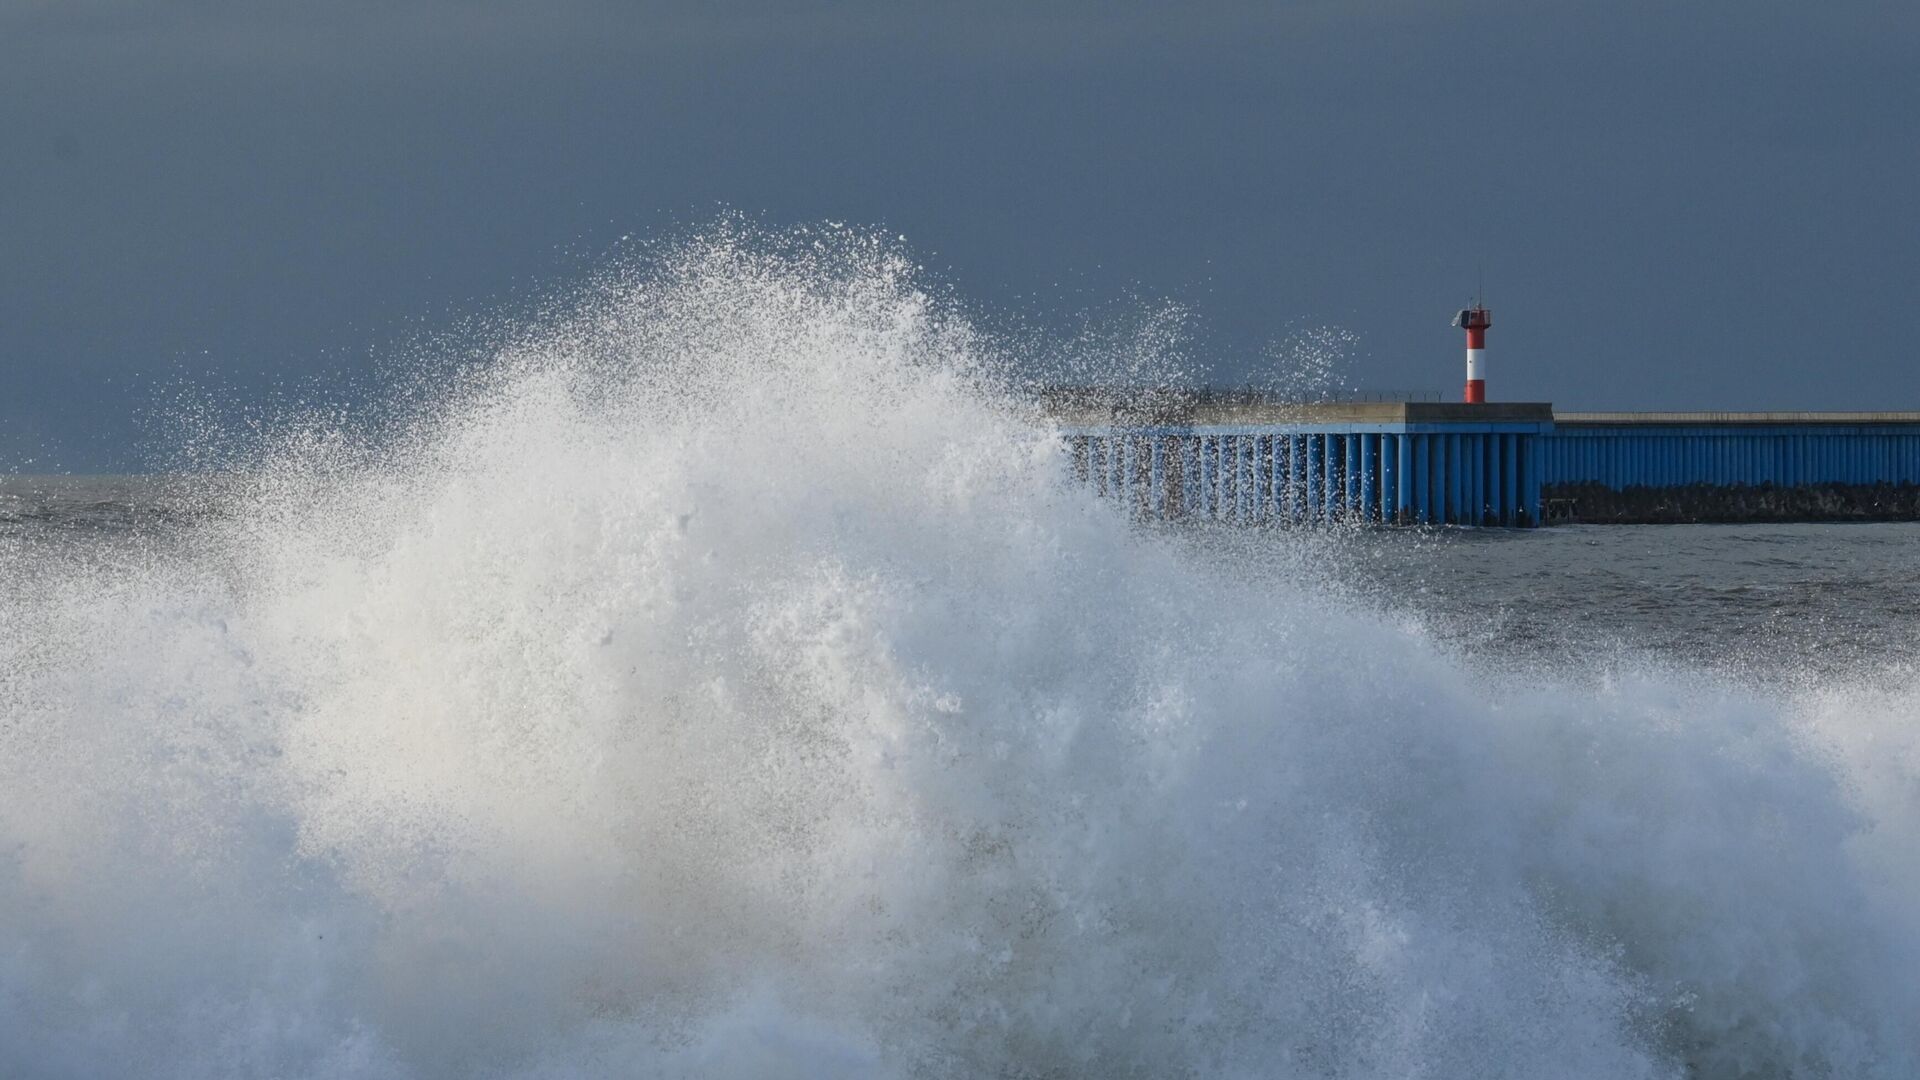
{"x":1764,"y":601}
{"x":1761,"y":601}
{"x":50,"y":511}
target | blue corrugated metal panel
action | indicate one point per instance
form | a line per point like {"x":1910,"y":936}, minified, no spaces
{"x":1425,"y":493}
{"x":1266,"y":464}
{"x":1307,"y":467}
{"x":1337,"y":477}
{"x":1503,"y":477}
{"x":1250,"y":501}
{"x":1210,"y":476}
{"x":1296,"y":474}
{"x":1421,"y":468}
{"x":1466,"y":474}
{"x":1197,"y":479}
{"x":1329,"y":471}
{"x":1627,"y":456}
{"x":1459,"y":463}
{"x":1477,"y":506}
{"x":1329,"y":476}
{"x":1489,"y":478}
{"x":1379,"y":456}
{"x":1481,"y":500}
{"x":1158,"y":478}
{"x":1404,"y":464}
{"x":1383,"y":475}
{"x":1230,"y":478}
{"x":1241,"y":467}
{"x":1223,"y":466}
{"x":1222,"y":489}
{"x":1192,"y":483}
{"x":1476,"y":480}
{"x":1455,"y":473}
{"x":1349,"y":475}
{"x":1531,"y":449}
{"x":1381,"y":509}
{"x":1313,"y":481}
{"x":1434,"y":447}
{"x":1256,"y":474}
{"x":1363,"y":478}
{"x":1277,"y":476}
{"x":1227,"y":469}
{"x":1470,"y":478}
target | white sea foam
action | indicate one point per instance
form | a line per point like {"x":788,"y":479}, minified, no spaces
{"x":730,"y":681}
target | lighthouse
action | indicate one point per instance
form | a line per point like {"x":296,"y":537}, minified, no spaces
{"x":1475,"y":321}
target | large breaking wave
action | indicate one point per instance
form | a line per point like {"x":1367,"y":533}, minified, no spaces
{"x":728,"y":679}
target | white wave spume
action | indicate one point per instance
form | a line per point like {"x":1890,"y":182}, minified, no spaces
{"x":730,"y":682}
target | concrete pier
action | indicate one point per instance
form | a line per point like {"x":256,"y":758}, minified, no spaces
{"x":1240,"y":458}
{"x":1245,"y":458}
{"x":1725,"y":467}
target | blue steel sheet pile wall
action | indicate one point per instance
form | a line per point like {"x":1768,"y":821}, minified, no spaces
{"x":1242,"y":459}
{"x":1623,"y":456}
{"x":1738,"y":467}
{"x":1252,"y":475}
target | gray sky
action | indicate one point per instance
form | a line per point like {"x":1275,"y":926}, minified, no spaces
{"x":1676,"y":205}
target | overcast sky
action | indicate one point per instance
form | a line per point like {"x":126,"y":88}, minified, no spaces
{"x":1676,"y":205}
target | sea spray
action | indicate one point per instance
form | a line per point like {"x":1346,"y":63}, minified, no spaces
{"x":730,"y":679}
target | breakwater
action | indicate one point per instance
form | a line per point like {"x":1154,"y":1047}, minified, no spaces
{"x":1731,"y":467}
{"x":1244,"y":458}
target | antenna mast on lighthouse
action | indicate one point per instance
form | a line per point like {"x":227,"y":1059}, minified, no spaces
{"x":1475,"y":321}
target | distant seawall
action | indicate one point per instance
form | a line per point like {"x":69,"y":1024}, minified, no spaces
{"x":1249,"y":459}
{"x":1732,"y":467}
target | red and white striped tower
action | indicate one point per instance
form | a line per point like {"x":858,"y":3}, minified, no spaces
{"x":1475,"y":320}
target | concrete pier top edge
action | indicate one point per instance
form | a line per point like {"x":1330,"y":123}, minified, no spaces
{"x":1578,"y":419}
{"x":1225,"y":410}
{"x":1103,"y":407}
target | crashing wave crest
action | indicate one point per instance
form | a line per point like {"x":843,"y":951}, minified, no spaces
{"x":727,"y":680}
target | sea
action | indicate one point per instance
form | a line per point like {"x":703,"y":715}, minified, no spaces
{"x":728,"y":678}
